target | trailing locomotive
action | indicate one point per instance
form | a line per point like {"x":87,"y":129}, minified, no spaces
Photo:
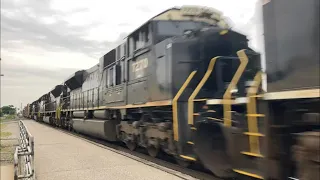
{"x":186,"y":84}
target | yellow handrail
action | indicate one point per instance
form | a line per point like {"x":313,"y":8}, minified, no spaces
{"x":198,"y":88}
{"x":175,"y":106}
{"x":227,"y":95}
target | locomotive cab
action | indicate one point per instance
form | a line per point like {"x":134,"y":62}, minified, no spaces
{"x":222,"y":73}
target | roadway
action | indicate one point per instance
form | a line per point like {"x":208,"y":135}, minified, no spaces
{"x":59,"y":155}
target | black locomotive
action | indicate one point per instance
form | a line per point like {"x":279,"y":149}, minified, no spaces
{"x":186,"y":84}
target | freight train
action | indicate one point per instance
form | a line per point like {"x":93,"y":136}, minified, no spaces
{"x":186,"y":84}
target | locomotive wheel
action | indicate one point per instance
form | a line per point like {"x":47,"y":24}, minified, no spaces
{"x":211,"y":147}
{"x":131,"y":145}
{"x":153,"y":151}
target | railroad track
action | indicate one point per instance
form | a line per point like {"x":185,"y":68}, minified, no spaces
{"x":164,"y":162}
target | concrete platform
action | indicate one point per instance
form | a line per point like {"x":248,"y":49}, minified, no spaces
{"x":6,"y":172}
{"x":62,"y":156}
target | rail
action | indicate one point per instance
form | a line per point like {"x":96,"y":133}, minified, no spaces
{"x":24,"y":155}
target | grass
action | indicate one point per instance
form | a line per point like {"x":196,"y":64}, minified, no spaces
{"x":3,"y":126}
{"x":6,"y":149}
{"x":7,"y":153}
{"x":8,"y":117}
{"x":5,"y":134}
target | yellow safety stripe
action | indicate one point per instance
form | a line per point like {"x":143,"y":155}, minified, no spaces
{"x":128,"y":106}
{"x":216,"y":119}
{"x":251,"y":154}
{"x":248,"y":174}
{"x":255,"y":115}
{"x":254,"y":134}
{"x":189,"y":142}
{"x":188,"y":158}
{"x":200,"y":99}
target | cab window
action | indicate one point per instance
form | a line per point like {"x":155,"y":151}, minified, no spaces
{"x":140,"y":39}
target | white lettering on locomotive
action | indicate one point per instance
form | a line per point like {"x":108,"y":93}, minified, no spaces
{"x":139,"y":65}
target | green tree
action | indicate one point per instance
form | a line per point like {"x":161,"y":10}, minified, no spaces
{"x":10,"y":110}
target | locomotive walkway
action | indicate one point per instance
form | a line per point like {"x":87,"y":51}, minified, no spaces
{"x":62,"y":156}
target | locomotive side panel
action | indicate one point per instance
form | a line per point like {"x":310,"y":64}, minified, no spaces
{"x":114,"y":92}
{"x":183,"y":64}
{"x":74,"y":98}
{"x":112,"y":80}
{"x":89,"y":95}
{"x":137,"y":85}
{"x":52,"y":102}
{"x":159,"y":81}
{"x":292,"y":44}
{"x":84,"y":99}
{"x":102,"y":87}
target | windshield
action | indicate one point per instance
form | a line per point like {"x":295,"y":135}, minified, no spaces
{"x":166,"y":29}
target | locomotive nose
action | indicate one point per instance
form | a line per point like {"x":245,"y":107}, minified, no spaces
{"x":211,"y":147}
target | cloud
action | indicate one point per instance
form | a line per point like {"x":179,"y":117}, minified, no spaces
{"x":52,"y":37}
{"x":124,"y":24}
{"x":144,"y":9}
{"x":39,"y":25}
{"x":23,"y":71}
{"x":23,"y":83}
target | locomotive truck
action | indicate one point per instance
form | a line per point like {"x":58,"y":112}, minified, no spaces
{"x":187,"y":84}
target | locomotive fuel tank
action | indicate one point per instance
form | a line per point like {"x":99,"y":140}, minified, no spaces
{"x":78,"y":114}
{"x":103,"y":129}
{"x":101,"y":114}
{"x":46,"y":119}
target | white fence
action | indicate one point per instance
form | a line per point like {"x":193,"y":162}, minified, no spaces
{"x":24,"y":155}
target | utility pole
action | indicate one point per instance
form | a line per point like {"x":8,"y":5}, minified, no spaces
{"x":0,"y":85}
{"x":0,"y":70}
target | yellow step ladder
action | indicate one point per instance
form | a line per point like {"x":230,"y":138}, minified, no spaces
{"x":253,"y":131}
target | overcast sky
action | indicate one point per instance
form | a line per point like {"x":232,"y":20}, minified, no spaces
{"x":44,"y":41}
